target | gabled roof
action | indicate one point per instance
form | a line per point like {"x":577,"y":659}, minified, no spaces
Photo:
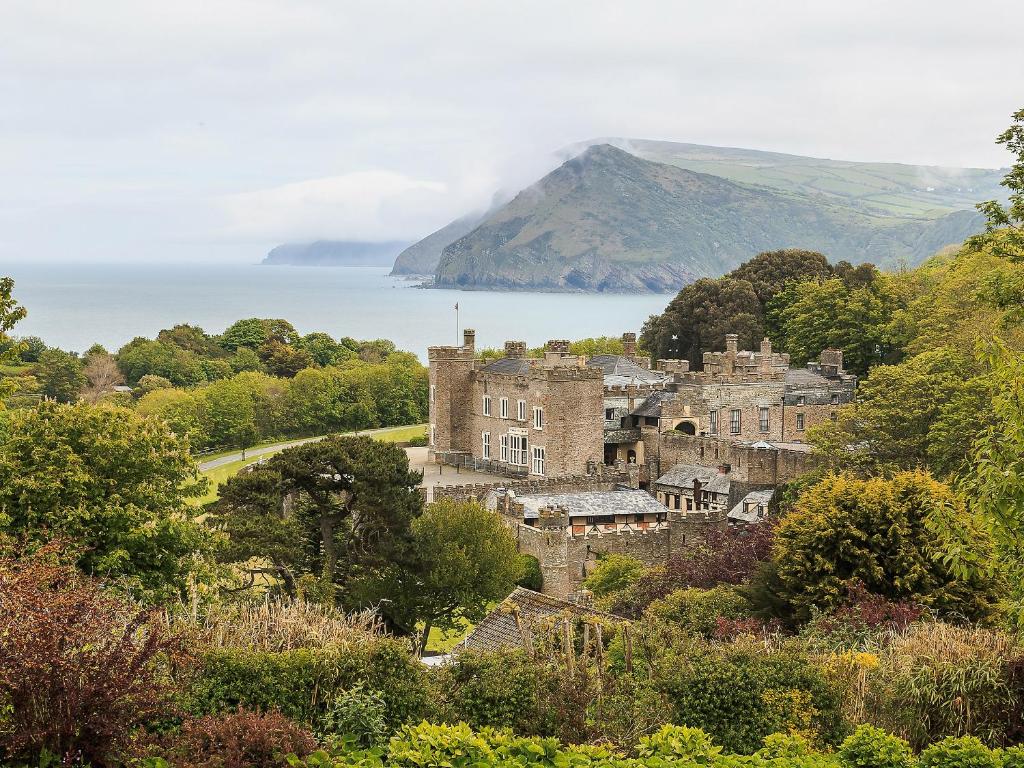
{"x":621,"y":371}
{"x":654,"y":403}
{"x":754,"y":498}
{"x":683,"y":475}
{"x":510,"y":365}
{"x":592,"y":503}
{"x":498,"y":629}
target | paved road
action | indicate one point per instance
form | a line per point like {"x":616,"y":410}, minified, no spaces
{"x":255,"y":453}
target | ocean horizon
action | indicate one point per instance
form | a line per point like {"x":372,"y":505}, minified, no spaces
{"x":75,"y":305}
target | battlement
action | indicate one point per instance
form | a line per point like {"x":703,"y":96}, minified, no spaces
{"x":438,"y":354}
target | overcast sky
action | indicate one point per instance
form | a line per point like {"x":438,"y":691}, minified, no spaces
{"x":213,"y":129}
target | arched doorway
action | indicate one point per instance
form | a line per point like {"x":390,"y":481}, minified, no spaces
{"x":686,"y":427}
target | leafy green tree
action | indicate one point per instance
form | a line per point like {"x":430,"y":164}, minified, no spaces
{"x":351,"y":500}
{"x":772,"y":271}
{"x":614,"y":573}
{"x":251,"y":333}
{"x":467,"y":560}
{"x":813,"y":316}
{"x":61,"y":376}
{"x":193,"y":339}
{"x":922,"y":413}
{"x":1009,"y":218}
{"x":285,"y":360}
{"x":11,"y":313}
{"x":324,"y":350}
{"x":111,"y":481}
{"x":890,"y":534}
{"x":231,"y":413}
{"x":32,"y":348}
{"x":183,"y":410}
{"x":142,"y":356}
{"x":246,"y":359}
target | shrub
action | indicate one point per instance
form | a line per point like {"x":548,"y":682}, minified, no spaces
{"x":697,"y":610}
{"x":959,"y":752}
{"x":79,"y":668}
{"x":532,"y":577}
{"x":870,"y":747}
{"x":241,"y":739}
{"x":495,"y":689}
{"x":674,"y":741}
{"x":303,"y":683}
{"x":937,"y":680}
{"x":741,"y":692}
{"x":613,"y":573}
{"x":359,"y":714}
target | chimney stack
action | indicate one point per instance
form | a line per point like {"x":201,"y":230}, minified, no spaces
{"x":469,"y":339}
{"x":731,"y":342}
{"x":831,"y":361}
{"x":629,"y":344}
{"x":515,"y":349}
{"x":766,"y":347}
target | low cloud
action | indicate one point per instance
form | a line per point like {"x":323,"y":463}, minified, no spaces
{"x":364,"y":205}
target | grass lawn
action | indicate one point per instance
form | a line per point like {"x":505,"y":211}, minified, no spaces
{"x":220,"y":474}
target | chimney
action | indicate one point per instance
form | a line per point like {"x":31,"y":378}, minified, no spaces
{"x":515,"y":349}
{"x":469,"y":339}
{"x":629,"y":344}
{"x":731,"y":342}
{"x":561,"y":346}
{"x":831,"y":361}
{"x":766,"y":347}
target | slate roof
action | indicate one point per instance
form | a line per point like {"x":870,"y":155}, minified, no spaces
{"x":754,"y":498}
{"x":498,"y":629}
{"x":654,"y":403}
{"x":620,"y":371}
{"x":593,"y":503}
{"x":683,"y":475}
{"x":509,"y":365}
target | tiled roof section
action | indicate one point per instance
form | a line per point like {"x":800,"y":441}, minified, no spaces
{"x":593,"y":503}
{"x":654,"y":403}
{"x":510,"y":365}
{"x":753,"y":499}
{"x":683,"y":475}
{"x":621,"y":371}
{"x":498,"y":629}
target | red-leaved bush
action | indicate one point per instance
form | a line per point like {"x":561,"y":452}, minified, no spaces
{"x":242,"y":739}
{"x":80,"y":669}
{"x":727,"y":556}
{"x":866,"y":609}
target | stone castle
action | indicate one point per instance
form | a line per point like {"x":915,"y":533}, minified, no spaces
{"x":609,"y":454}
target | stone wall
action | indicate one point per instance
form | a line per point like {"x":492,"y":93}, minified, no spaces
{"x":566,"y":560}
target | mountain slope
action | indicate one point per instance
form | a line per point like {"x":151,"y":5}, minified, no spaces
{"x":421,"y":258}
{"x":335,"y":253}
{"x":608,"y":220}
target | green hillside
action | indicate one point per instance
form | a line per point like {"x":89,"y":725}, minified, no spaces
{"x":608,"y":220}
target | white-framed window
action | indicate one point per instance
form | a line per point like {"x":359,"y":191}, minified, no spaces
{"x":432,"y":429}
{"x":734,"y":421}
{"x":517,"y":450}
{"x":762,"y":419}
{"x":487,"y":405}
{"x":504,"y":448}
{"x":800,"y":400}
{"x":521,"y":410}
{"x":504,"y":408}
{"x":433,"y":392}
{"x":713,"y":422}
{"x":485,"y":440}
{"x":538,"y":418}
{"x":538,"y":460}
{"x":800,"y":422}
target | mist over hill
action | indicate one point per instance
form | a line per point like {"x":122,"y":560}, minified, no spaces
{"x":335,"y":253}
{"x":609,"y":220}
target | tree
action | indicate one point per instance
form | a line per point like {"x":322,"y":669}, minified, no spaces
{"x":182,"y":410}
{"x":230,"y":412}
{"x":614,"y":573}
{"x":889,"y":534}
{"x":285,"y":360}
{"x":923,"y":413}
{"x":142,"y":356}
{"x":812,"y":316}
{"x":324,"y":350}
{"x":102,"y":375}
{"x":772,"y":271}
{"x":350,"y":500}
{"x":60,"y":375}
{"x":1008,"y":218}
{"x":32,"y":348}
{"x":467,"y":560}
{"x":114,"y":482}
{"x":250,"y":333}
{"x":10,"y":314}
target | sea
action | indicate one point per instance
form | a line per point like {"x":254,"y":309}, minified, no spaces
{"x":73,"y":306}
